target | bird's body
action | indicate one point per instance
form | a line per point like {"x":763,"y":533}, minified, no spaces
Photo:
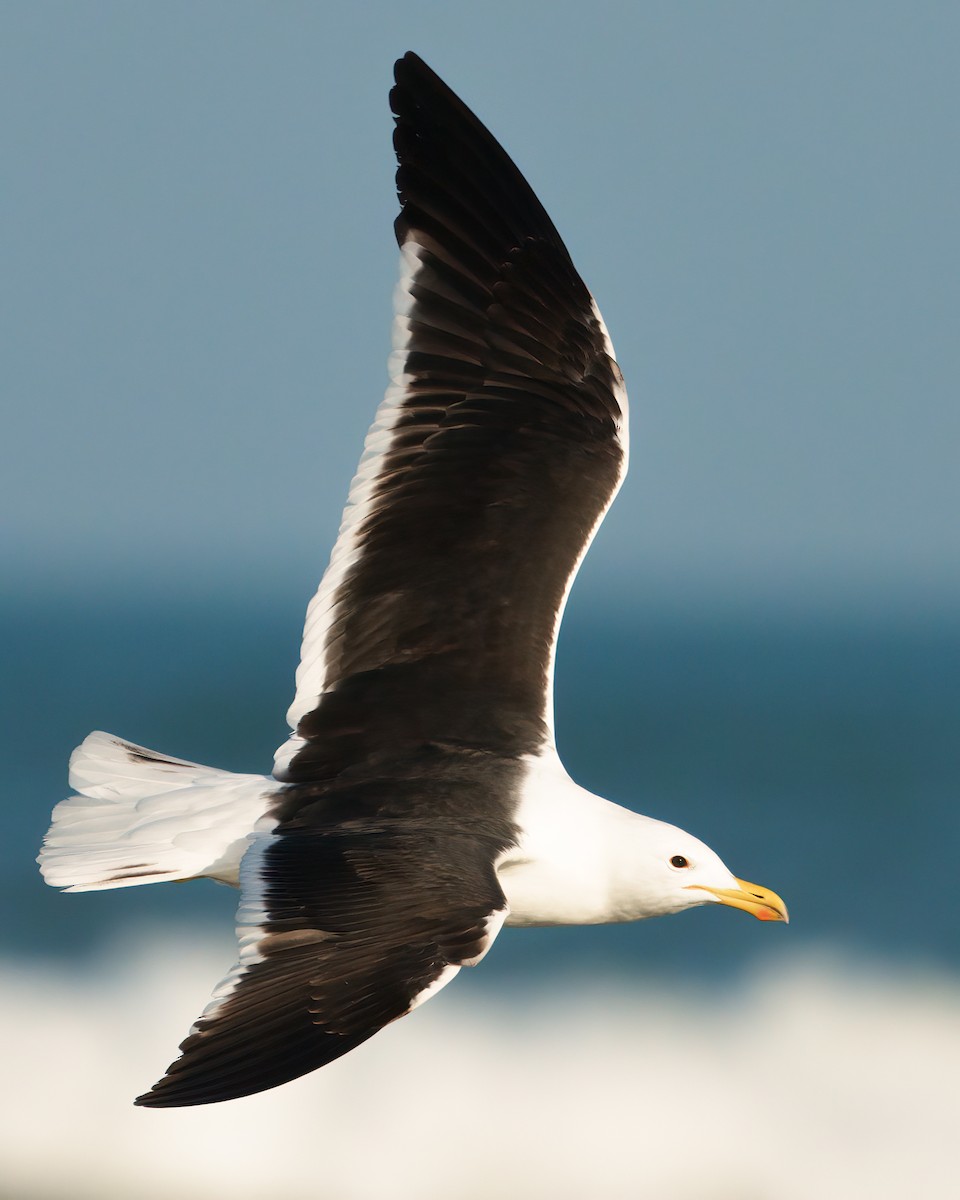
{"x":419,"y":803}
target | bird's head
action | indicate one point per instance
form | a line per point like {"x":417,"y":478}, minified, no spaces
{"x":684,"y":872}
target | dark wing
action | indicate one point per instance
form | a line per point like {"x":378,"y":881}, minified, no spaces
{"x":498,"y":448}
{"x":341,"y":933}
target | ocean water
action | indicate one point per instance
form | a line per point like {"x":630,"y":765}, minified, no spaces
{"x":820,"y":758}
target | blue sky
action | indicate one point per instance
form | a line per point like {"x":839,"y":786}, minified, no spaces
{"x":198,"y":260}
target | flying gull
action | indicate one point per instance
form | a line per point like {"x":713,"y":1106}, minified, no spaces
{"x":419,"y":803}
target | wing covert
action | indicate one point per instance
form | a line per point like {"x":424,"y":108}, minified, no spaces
{"x":350,"y":931}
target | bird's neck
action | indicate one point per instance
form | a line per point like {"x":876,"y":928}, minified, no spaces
{"x":579,"y":858}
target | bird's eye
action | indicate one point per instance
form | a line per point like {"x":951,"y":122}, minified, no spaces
{"x":678,"y":861}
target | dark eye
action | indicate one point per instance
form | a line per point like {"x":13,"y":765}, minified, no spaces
{"x":678,"y":861}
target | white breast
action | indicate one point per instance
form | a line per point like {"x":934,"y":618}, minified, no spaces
{"x":580,"y":858}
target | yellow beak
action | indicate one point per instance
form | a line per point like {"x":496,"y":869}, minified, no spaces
{"x":764,"y":904}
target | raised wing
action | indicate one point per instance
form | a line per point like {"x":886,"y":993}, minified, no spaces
{"x":428,"y":650}
{"x":495,"y":454}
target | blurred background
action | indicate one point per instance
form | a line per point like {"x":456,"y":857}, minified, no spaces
{"x":763,"y":647}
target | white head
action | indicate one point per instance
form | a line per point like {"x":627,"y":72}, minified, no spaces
{"x":670,"y":870}
{"x":582,"y":860}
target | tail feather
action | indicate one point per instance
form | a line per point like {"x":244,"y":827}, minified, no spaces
{"x":142,"y":817}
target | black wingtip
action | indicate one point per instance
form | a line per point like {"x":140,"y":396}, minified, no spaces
{"x":409,"y":62}
{"x":167,"y":1093}
{"x":159,"y":1096}
{"x":418,"y":82}
{"x":148,"y":1100}
{"x":449,"y":163}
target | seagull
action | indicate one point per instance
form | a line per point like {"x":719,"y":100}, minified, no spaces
{"x":419,"y":803}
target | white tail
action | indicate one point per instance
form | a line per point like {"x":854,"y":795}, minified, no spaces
{"x":141,"y":817}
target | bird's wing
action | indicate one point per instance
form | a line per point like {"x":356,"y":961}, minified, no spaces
{"x":498,"y":448}
{"x":341,"y":933}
